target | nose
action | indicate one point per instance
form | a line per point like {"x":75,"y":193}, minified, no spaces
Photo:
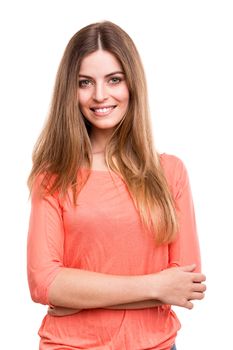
{"x":100,"y":92}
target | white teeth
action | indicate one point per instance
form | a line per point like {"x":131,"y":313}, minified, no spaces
{"x":103,"y":110}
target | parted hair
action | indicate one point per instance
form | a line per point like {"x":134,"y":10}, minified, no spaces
{"x":64,"y":143}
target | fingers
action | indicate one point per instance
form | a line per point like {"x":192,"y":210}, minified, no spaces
{"x":182,"y":286}
{"x":199,"y":287}
{"x":50,"y":311}
{"x":188,"y":305}
{"x":197,"y":296}
{"x":199,"y":277}
{"x":61,"y":311}
{"x":188,"y":268}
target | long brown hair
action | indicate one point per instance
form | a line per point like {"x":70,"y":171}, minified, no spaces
{"x":64,"y":144}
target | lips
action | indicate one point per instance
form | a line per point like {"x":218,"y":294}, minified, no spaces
{"x":102,"y":110}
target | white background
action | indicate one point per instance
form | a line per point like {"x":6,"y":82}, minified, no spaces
{"x":187,"y":50}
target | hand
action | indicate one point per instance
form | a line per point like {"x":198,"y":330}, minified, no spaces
{"x":61,"y":311}
{"x":179,"y":285}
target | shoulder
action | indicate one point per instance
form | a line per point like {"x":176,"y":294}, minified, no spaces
{"x":175,"y":172}
{"x":41,"y":186}
{"x":171,"y":163}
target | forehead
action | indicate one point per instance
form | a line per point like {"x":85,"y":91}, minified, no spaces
{"x":99,"y":63}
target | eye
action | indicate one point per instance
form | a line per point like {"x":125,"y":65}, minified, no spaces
{"x":84,"y":83}
{"x":115,"y":80}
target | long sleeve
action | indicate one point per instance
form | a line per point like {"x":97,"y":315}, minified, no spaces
{"x":185,"y":250}
{"x":101,"y":234}
{"x":45,"y":243}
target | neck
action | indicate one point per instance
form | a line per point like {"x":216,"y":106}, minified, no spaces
{"x":99,"y":140}
{"x":99,"y":152}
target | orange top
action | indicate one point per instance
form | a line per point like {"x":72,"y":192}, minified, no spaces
{"x":103,"y":233}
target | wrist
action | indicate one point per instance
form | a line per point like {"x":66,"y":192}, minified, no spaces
{"x":152,"y":286}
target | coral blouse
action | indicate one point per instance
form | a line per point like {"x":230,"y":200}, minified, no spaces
{"x":103,"y":233}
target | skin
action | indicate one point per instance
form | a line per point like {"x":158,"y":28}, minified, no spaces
{"x":73,"y":289}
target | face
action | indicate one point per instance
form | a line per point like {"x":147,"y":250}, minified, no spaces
{"x":102,"y":91}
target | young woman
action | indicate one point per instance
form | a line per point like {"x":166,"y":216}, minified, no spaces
{"x":112,"y":241}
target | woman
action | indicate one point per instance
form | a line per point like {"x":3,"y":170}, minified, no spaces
{"x":112,"y":239}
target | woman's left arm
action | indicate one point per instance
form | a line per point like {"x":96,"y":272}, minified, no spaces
{"x":63,"y":311}
{"x":185,"y":249}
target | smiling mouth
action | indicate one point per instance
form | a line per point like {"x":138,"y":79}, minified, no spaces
{"x":102,"y":111}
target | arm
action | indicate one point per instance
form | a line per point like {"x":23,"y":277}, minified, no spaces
{"x":79,"y":289}
{"x":45,"y":243}
{"x":52,"y":283}
{"x":185,"y":250}
{"x":138,"y":305}
{"x":63,"y":311}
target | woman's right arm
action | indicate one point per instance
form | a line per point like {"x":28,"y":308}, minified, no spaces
{"x":53,"y":284}
{"x":81,"y":289}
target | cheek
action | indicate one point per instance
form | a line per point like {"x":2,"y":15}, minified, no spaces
{"x":82,"y":97}
{"x":122,"y":94}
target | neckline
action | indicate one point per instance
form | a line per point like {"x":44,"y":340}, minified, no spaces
{"x":98,"y":170}
{"x":102,"y":171}
{"x":110,"y":171}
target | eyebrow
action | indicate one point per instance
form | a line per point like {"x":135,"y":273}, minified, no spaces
{"x":106,"y":76}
